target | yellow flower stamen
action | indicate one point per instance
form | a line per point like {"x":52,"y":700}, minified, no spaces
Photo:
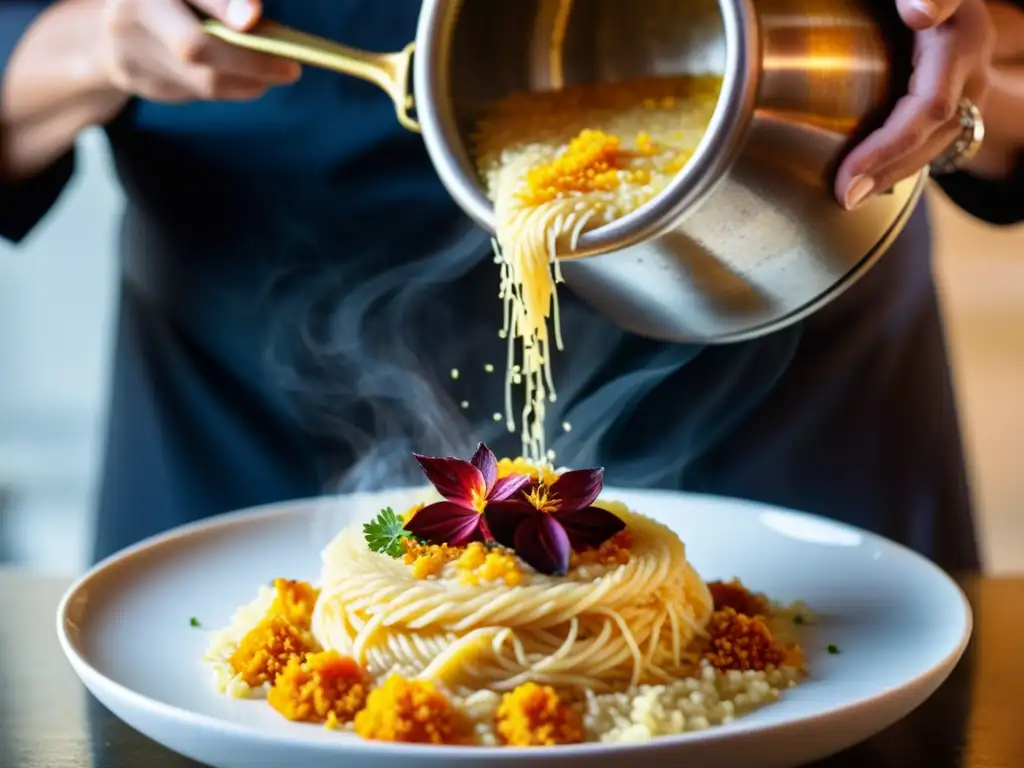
{"x":478,"y":499}
{"x":541,"y":498}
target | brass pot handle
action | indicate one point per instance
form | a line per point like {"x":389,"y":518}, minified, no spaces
{"x":388,"y":71}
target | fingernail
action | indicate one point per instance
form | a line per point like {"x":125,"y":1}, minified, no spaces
{"x":858,"y":191}
{"x":240,"y":13}
{"x":926,"y":7}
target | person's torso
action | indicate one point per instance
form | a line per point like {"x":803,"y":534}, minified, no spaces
{"x":304,"y":244}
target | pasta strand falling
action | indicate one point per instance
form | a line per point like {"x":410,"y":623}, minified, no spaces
{"x":559,"y":164}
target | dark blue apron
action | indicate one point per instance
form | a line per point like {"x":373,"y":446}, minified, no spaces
{"x":297,"y":288}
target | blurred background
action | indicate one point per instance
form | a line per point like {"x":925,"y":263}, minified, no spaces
{"x":57,"y":308}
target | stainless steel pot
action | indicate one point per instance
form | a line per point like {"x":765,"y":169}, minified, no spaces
{"x":748,"y":238}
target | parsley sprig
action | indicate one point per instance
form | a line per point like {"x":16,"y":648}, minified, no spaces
{"x":386,"y":532}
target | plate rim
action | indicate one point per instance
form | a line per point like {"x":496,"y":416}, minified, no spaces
{"x":87,"y":672}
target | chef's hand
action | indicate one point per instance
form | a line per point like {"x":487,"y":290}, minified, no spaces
{"x":157,"y":49}
{"x":953,"y":46}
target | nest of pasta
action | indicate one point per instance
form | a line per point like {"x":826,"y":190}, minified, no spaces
{"x":513,"y":607}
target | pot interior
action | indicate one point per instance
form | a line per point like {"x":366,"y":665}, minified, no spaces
{"x":498,"y":47}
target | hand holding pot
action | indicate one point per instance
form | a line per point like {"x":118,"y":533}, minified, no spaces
{"x":953,"y":46}
{"x":157,"y":49}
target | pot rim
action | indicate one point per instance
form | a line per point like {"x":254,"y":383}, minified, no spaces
{"x":715,"y":153}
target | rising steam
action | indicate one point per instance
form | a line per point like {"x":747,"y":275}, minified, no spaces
{"x":370,"y":331}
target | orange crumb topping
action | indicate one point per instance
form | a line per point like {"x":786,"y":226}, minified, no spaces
{"x":428,"y":559}
{"x":295,"y":601}
{"x":519,"y":466}
{"x":266,"y":649}
{"x":411,"y":711}
{"x":323,"y":687}
{"x":615,"y":551}
{"x":741,"y":642}
{"x":645,"y":145}
{"x":794,"y":656}
{"x":480,"y":565}
{"x":678,"y":160}
{"x":473,"y":557}
{"x":591,"y":163}
{"x":732,"y":594}
{"x":411,"y":512}
{"x":534,"y":716}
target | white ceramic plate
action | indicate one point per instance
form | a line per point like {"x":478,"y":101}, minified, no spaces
{"x":899,"y":623}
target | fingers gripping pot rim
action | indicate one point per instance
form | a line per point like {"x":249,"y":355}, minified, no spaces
{"x":748,"y":238}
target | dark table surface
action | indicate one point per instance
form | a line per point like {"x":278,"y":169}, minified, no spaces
{"x":47,"y":720}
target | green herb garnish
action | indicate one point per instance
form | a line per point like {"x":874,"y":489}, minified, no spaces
{"x":386,"y":532}
{"x":798,"y":619}
{"x":194,"y":622}
{"x":833,"y":650}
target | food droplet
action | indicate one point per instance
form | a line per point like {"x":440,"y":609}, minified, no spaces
{"x":464,"y":404}
{"x":455,"y":373}
{"x":566,"y":426}
{"x":489,"y":368}
{"x":497,"y":417}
